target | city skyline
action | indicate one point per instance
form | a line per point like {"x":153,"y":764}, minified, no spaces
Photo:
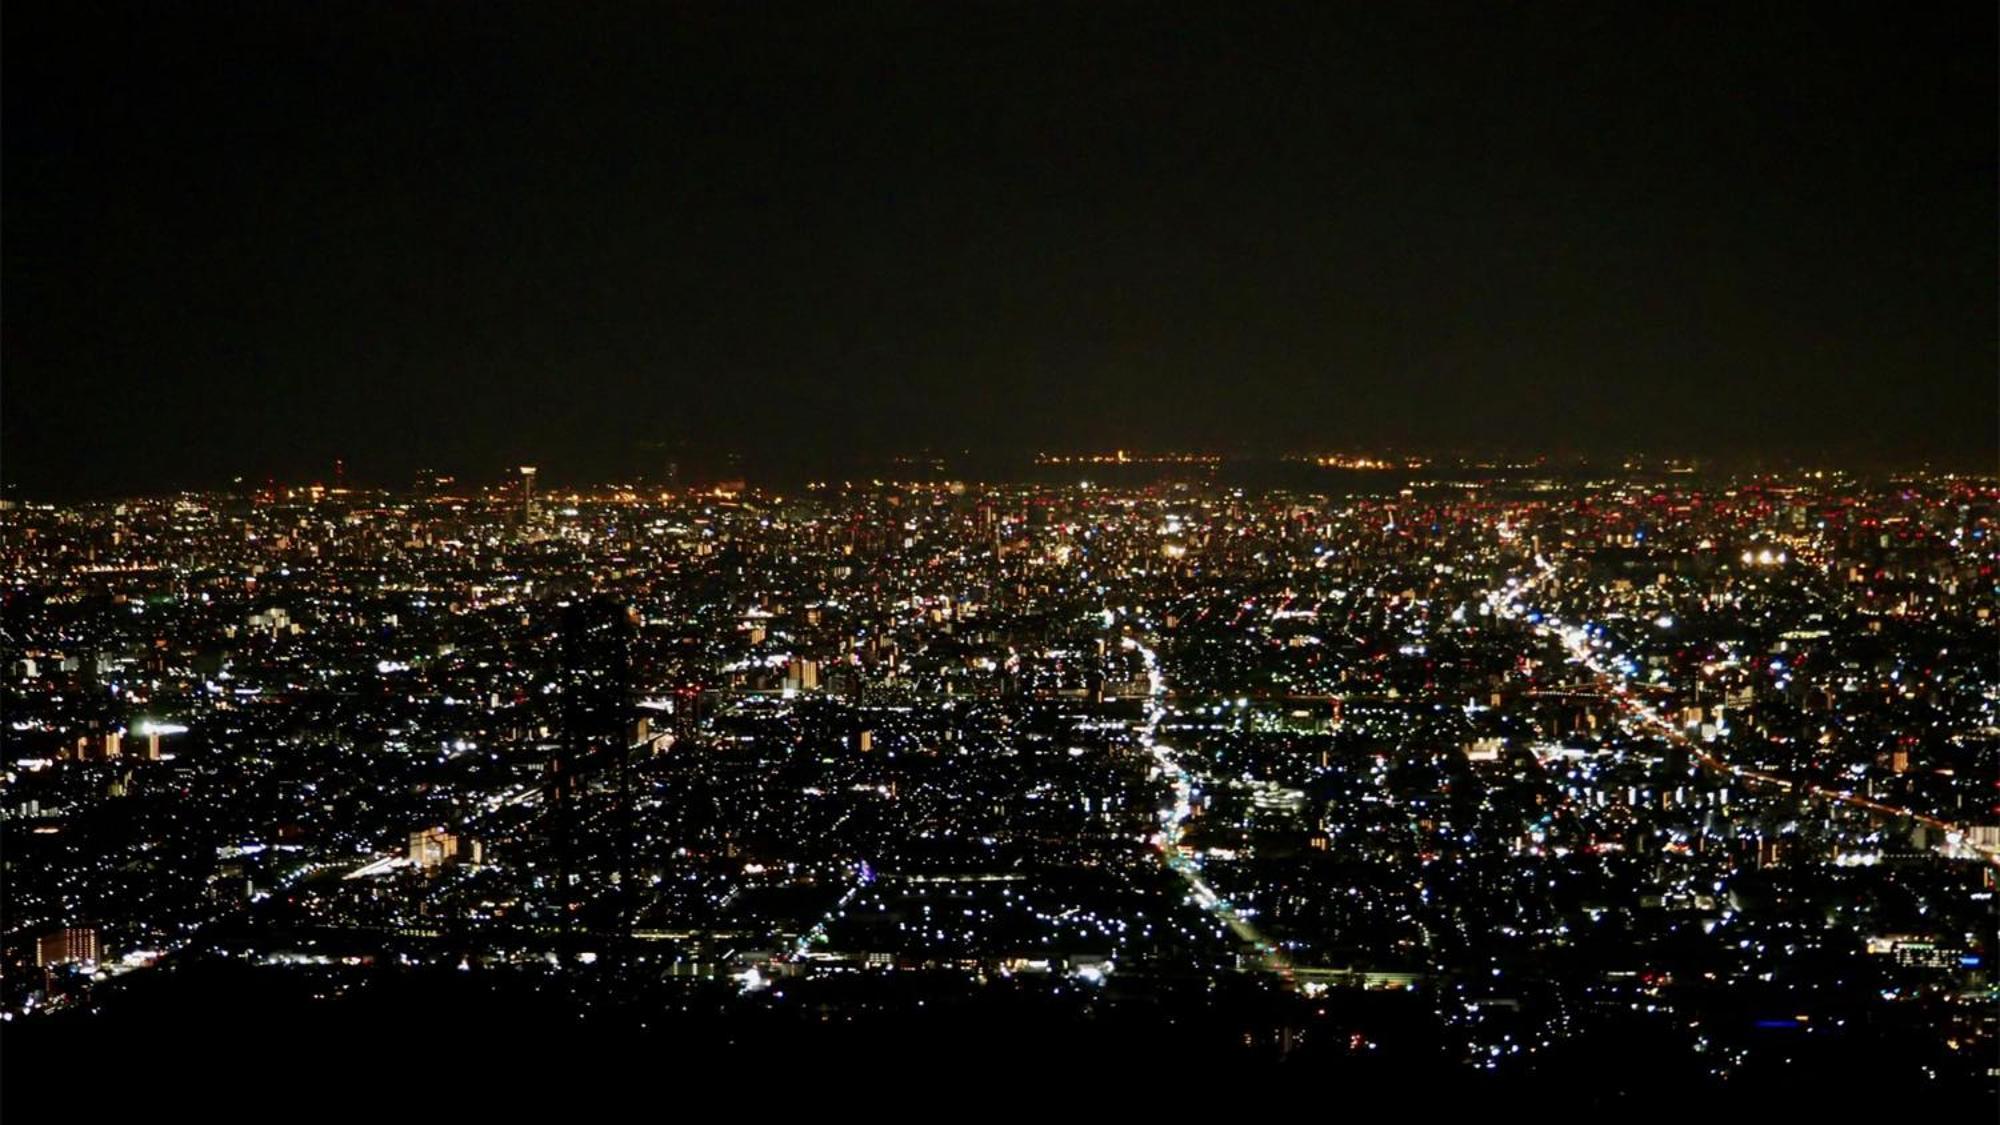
{"x":686,"y":468}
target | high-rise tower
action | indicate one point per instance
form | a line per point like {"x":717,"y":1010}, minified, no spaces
{"x":527,"y":494}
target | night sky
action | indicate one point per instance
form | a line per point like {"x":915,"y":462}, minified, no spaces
{"x":246,"y":239}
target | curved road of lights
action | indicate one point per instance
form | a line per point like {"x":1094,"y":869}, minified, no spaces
{"x":1174,"y":817}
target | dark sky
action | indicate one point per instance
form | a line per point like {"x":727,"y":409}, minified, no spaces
{"x":248,"y":238}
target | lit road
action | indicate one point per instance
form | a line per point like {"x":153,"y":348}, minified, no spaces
{"x":1616,"y":686}
{"x":383,"y":861}
{"x":863,"y":876}
{"x":1174,"y":817}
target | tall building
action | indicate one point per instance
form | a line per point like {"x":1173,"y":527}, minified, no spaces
{"x":431,"y":847}
{"x":527,"y":494}
{"x":71,"y":945}
{"x":802,"y":675}
{"x":103,"y":746}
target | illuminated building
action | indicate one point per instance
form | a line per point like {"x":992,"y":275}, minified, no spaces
{"x":71,"y":945}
